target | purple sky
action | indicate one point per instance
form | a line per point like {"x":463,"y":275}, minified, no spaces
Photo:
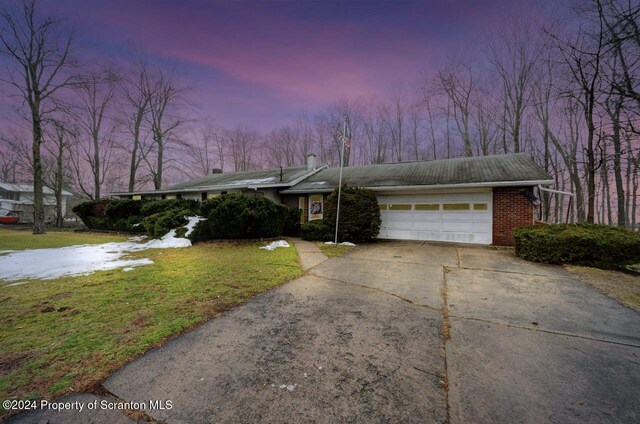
{"x":262,"y":63}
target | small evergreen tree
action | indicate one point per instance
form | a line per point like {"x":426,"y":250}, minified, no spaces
{"x":359,"y":214}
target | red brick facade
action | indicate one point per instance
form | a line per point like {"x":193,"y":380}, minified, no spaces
{"x":511,"y":209}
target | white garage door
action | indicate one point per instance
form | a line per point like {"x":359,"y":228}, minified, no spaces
{"x":458,"y":217}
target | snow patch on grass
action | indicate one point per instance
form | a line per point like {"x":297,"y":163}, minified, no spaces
{"x":47,"y":264}
{"x":275,"y":244}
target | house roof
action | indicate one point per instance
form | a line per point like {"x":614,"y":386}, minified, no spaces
{"x":28,"y":188}
{"x":488,"y":171}
{"x":268,"y":178}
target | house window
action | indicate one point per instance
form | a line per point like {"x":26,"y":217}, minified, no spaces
{"x":136,"y":197}
{"x":479,"y":206}
{"x":399,"y":207}
{"x":203,"y":196}
{"x":456,"y":206}
{"x":383,"y":207}
{"x":428,"y":207}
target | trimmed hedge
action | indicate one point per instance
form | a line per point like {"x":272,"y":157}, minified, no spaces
{"x":155,"y":206}
{"x":237,"y":216}
{"x":126,"y":215}
{"x":593,"y":245}
{"x":159,"y":224}
{"x":359,"y":214}
{"x":315,"y":230}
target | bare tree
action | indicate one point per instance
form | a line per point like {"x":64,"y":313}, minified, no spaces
{"x":137,"y":98}
{"x":395,"y":119}
{"x":60,"y":137}
{"x":208,"y":149}
{"x":96,"y":93}
{"x":583,"y":59}
{"x":242,"y":143}
{"x":9,"y":166}
{"x":458,"y":84}
{"x":165,"y":99}
{"x":40,"y":50}
{"x":514,"y":56}
{"x":375,"y":134}
{"x":281,"y":146}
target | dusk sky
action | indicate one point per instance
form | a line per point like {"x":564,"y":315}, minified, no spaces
{"x":263,"y":63}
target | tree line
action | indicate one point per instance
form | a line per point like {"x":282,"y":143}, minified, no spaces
{"x":567,"y":95}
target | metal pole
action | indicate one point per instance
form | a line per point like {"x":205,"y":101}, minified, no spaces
{"x":344,"y":135}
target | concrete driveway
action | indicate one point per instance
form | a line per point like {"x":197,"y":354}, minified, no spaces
{"x":403,"y":332}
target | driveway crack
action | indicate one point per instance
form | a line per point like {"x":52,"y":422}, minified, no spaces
{"x":445,"y":334}
{"x":542,"y":330}
{"x":404,"y":299}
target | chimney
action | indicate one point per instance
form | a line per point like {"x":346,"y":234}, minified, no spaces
{"x":311,"y":162}
{"x":216,"y":171}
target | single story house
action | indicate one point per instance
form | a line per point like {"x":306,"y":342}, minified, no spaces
{"x":478,"y":200}
{"x":18,"y":198}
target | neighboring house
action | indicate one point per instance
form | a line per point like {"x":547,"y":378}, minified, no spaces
{"x":18,"y":198}
{"x":477,"y":200}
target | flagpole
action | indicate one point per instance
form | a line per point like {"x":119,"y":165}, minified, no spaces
{"x":344,"y":136}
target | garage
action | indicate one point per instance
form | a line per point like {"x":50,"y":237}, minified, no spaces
{"x":479,"y":200}
{"x":453,"y":217}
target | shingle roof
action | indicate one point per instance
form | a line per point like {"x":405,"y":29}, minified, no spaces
{"x":223,"y":181}
{"x":261,"y":177}
{"x":28,"y":188}
{"x":474,"y":170}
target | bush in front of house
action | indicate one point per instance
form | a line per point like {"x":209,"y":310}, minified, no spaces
{"x":159,"y":224}
{"x":359,"y":214}
{"x":237,"y":216}
{"x":292,"y":222}
{"x":593,"y":245}
{"x":93,"y":214}
{"x":315,"y":230}
{"x":125,"y":215}
{"x":155,"y":206}
{"x":130,"y":215}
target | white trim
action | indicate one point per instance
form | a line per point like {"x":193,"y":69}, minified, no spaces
{"x":568,"y":193}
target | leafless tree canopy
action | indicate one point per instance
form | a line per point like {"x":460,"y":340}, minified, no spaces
{"x":567,"y":94}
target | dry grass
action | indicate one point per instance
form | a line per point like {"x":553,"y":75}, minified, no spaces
{"x":20,"y":239}
{"x":624,"y":288}
{"x":332,"y":250}
{"x":68,"y":334}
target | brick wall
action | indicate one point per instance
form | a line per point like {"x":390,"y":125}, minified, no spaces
{"x":290,"y":200}
{"x":511,"y":209}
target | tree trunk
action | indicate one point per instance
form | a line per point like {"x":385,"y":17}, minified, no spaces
{"x":58,"y":185}
{"x":133,"y":167}
{"x":96,"y":166}
{"x":617,"y":164}
{"x":160,"y":161}
{"x":38,"y":197}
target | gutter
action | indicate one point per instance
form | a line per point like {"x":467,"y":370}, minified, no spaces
{"x":436,"y":186}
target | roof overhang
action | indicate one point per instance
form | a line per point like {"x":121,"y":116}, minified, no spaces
{"x":434,"y":186}
{"x":222,"y":187}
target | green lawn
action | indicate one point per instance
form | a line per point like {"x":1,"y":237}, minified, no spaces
{"x":332,"y":250}
{"x":70,"y":333}
{"x":23,"y":239}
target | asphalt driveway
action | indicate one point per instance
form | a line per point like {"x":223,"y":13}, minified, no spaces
{"x":402,"y":332}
